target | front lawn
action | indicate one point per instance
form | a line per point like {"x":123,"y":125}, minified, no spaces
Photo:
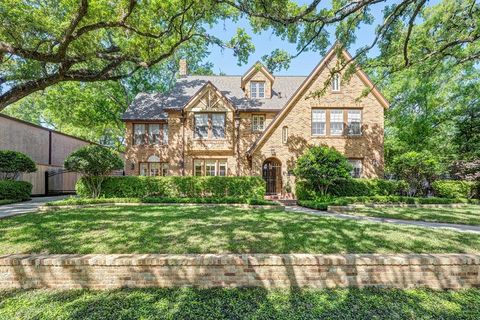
{"x":8,"y":201}
{"x":177,"y":230}
{"x":246,"y":303}
{"x":469,"y":214}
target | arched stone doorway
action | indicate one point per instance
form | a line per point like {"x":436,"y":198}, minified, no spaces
{"x":272,"y":174}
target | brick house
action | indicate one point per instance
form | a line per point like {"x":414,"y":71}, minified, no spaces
{"x":256,"y":124}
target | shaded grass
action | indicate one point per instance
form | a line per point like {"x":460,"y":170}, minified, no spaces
{"x":468,"y":214}
{"x":225,"y":200}
{"x":9,"y":201}
{"x":246,"y":303}
{"x":195,"y":229}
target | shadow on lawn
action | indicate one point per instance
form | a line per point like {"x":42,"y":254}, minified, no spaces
{"x":214,"y":230}
{"x":247,"y":303}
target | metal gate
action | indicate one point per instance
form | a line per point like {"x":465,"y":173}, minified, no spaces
{"x":272,"y":174}
{"x":62,"y":181}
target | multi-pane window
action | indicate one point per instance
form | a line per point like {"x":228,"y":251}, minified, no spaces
{"x":209,"y":167}
{"x":336,"y":122}
{"x":258,"y":122}
{"x":210,"y":125}
{"x":218,"y":125}
{"x":285,"y":134}
{"x":139,"y":133}
{"x":201,"y":125}
{"x":336,"y":82}
{"x":257,"y":89}
{"x":151,"y":133}
{"x":153,"y":169}
{"x":354,"y":122}
{"x":318,"y":122}
{"x":357,"y":168}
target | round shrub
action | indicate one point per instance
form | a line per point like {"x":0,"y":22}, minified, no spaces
{"x":95,"y":163}
{"x":452,"y":188}
{"x":15,"y":190}
{"x":12,"y":163}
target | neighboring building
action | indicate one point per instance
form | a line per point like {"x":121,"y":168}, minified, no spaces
{"x":255,"y":124}
{"x":47,"y":148}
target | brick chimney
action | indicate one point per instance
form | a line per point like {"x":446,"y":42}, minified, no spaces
{"x":182,"y":69}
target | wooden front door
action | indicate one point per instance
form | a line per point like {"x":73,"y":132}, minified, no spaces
{"x":272,"y":174}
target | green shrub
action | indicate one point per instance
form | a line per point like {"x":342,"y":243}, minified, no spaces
{"x":12,"y":163}
{"x":178,"y":187}
{"x":453,"y":188}
{"x":355,"y":187}
{"x":15,"y":190}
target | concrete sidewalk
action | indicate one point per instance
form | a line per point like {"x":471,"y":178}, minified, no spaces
{"x":14,"y":209}
{"x":434,"y":225}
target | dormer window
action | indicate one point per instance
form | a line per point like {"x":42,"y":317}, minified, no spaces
{"x":257,"y":89}
{"x":336,"y":82}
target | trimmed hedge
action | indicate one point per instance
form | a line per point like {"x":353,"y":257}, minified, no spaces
{"x":178,"y":187}
{"x":322,"y":204}
{"x":453,"y":188}
{"x":356,"y":187}
{"x":15,"y":190}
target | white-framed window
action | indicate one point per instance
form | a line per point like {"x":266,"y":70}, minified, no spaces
{"x":354,"y":120}
{"x":139,"y":133}
{"x":357,"y":168}
{"x":336,"y":122}
{"x":153,"y":169}
{"x":218,"y":125}
{"x":285,"y":134}
{"x":209,"y":125}
{"x":201,"y":125}
{"x":336,"y":82}
{"x":257,"y":89}
{"x":150,"y":133}
{"x":258,"y":122}
{"x":210,"y":167}
{"x":319,"y":118}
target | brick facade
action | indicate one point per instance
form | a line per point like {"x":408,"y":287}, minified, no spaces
{"x":245,"y":151}
{"x":436,"y":271}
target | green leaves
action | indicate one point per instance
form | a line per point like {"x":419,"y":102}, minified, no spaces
{"x":12,"y":163}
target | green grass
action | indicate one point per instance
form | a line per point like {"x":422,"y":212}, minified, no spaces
{"x":8,"y":201}
{"x":468,"y":214}
{"x":196,"y":229}
{"x":246,"y":303}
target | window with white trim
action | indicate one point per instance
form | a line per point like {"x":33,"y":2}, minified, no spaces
{"x":336,"y":122}
{"x":209,"y":125}
{"x":336,"y":82}
{"x":357,"y":168}
{"x":257,"y":89}
{"x":153,"y":169}
{"x":318,"y":122}
{"x":210,"y":167}
{"x":285,"y":134}
{"x":258,"y":122}
{"x":354,"y":120}
{"x":150,"y":133}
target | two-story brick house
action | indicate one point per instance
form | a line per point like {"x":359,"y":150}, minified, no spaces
{"x":255,"y":124}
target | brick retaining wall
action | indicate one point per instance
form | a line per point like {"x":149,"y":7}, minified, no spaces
{"x":438,"y":271}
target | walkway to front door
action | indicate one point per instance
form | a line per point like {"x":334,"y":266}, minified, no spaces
{"x":272,"y":174}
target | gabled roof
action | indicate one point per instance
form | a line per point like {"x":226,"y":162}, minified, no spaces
{"x":209,"y":85}
{"x":257,"y":67}
{"x":306,"y":83}
{"x":153,"y":106}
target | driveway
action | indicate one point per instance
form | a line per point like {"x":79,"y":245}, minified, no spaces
{"x":14,"y":209}
{"x":434,"y":225}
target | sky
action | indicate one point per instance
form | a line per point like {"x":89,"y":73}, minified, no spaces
{"x":224,"y":61}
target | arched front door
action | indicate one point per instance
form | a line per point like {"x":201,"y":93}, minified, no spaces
{"x":272,"y":174}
